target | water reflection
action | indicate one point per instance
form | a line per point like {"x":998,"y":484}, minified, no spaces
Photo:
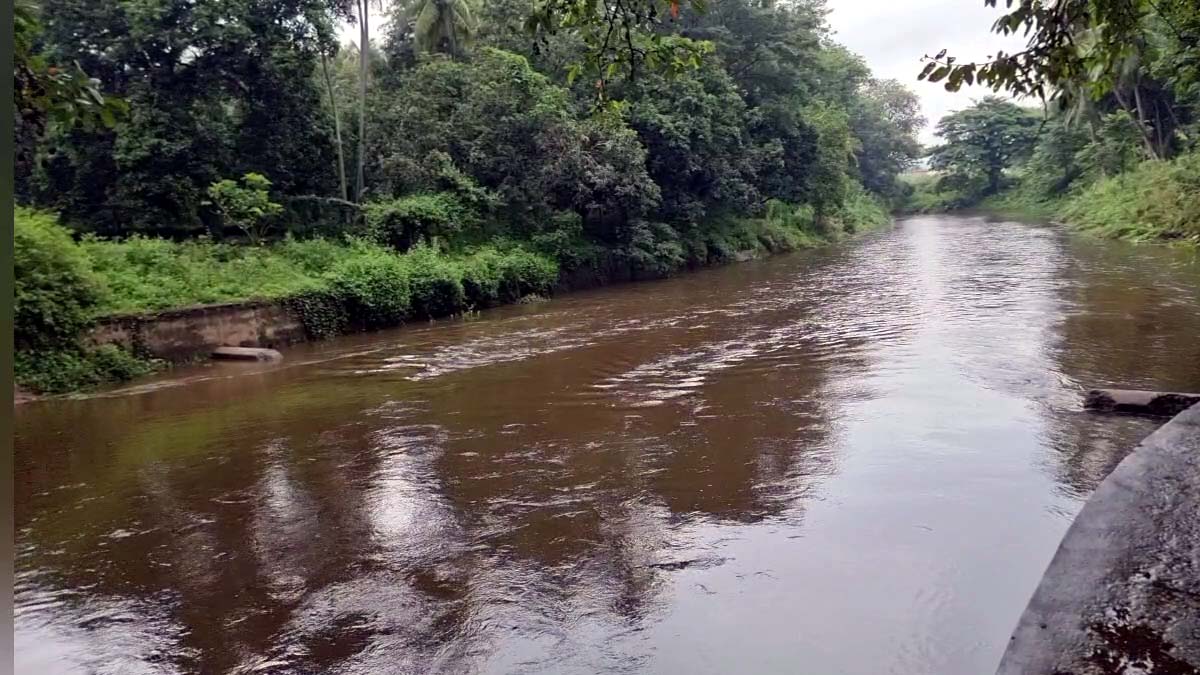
{"x":806,"y":461}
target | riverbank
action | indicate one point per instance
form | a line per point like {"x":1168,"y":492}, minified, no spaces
{"x":1156,"y":201}
{"x":93,"y":312}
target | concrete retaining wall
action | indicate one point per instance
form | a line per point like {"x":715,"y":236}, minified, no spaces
{"x":183,"y":334}
{"x":1122,"y":594}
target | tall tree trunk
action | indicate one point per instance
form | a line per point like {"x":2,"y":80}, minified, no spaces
{"x":1136,"y":111}
{"x":337,"y":125}
{"x":1141,"y":115}
{"x":1158,"y":131}
{"x":447,"y":12}
{"x":1096,"y":141}
{"x":364,"y":51}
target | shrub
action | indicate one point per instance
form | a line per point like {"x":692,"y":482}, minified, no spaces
{"x":481,"y":278}
{"x":247,"y":206}
{"x":435,"y":284}
{"x":56,"y":292}
{"x":862,"y":210}
{"x":562,"y":238}
{"x":931,"y":194}
{"x":524,"y":273}
{"x":1022,"y":201}
{"x":789,"y":215}
{"x":775,"y":237}
{"x":654,"y":250}
{"x":145,"y":273}
{"x":1157,"y":200}
{"x":312,"y":256}
{"x":72,"y":367}
{"x":374,"y":287}
{"x":403,"y":222}
{"x":492,"y":277}
{"x":112,"y":363}
{"x":323,"y":311}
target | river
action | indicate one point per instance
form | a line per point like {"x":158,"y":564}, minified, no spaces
{"x":851,"y":460}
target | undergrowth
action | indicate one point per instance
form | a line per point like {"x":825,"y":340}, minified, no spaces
{"x":336,"y":286}
{"x":1154,"y":201}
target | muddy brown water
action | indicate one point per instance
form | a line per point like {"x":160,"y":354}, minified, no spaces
{"x":852,"y":460}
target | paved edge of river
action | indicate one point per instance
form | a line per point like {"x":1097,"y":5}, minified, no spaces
{"x":1122,"y":594}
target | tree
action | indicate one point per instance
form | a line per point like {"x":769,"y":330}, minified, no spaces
{"x":1142,"y":54}
{"x":445,"y":26}
{"x":771,"y":50}
{"x":247,"y":206}
{"x":364,"y":59}
{"x":45,"y":94}
{"x":885,"y":119}
{"x":622,"y":36}
{"x":1055,"y":162}
{"x":699,"y":151}
{"x":437,"y":131}
{"x":214,"y":90}
{"x":1068,"y":40}
{"x":828,"y":180}
{"x":982,"y":141}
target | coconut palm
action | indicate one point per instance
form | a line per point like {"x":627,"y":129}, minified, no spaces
{"x":441,"y":25}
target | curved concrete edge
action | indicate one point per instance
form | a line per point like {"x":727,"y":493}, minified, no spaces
{"x":1122,"y":594}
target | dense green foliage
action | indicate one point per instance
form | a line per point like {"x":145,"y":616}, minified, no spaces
{"x":462,"y":106}
{"x":1142,"y":52}
{"x":214,"y":90}
{"x":49,"y":96}
{"x":1156,"y":200}
{"x":458,"y":163}
{"x":980,"y":142}
{"x":246,"y":205}
{"x":56,"y":297}
{"x":1114,"y":152}
{"x":63,"y":286}
{"x":56,"y":292}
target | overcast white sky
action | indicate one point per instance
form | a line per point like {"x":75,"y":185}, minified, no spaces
{"x":893,"y":35}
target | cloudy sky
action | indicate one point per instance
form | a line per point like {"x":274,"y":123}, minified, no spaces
{"x":893,"y":35}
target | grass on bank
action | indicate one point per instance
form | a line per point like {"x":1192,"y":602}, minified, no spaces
{"x":1155,"y":201}
{"x":64,"y":285}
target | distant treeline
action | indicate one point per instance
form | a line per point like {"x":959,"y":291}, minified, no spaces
{"x":1114,"y":150}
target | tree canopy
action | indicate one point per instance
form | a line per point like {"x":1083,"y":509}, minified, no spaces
{"x":462,"y":99}
{"x":1093,"y":57}
{"x":981,"y":141}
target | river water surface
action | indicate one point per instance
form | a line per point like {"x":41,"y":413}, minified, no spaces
{"x":852,"y":460}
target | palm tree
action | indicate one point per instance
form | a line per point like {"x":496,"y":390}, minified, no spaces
{"x":442,"y":25}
